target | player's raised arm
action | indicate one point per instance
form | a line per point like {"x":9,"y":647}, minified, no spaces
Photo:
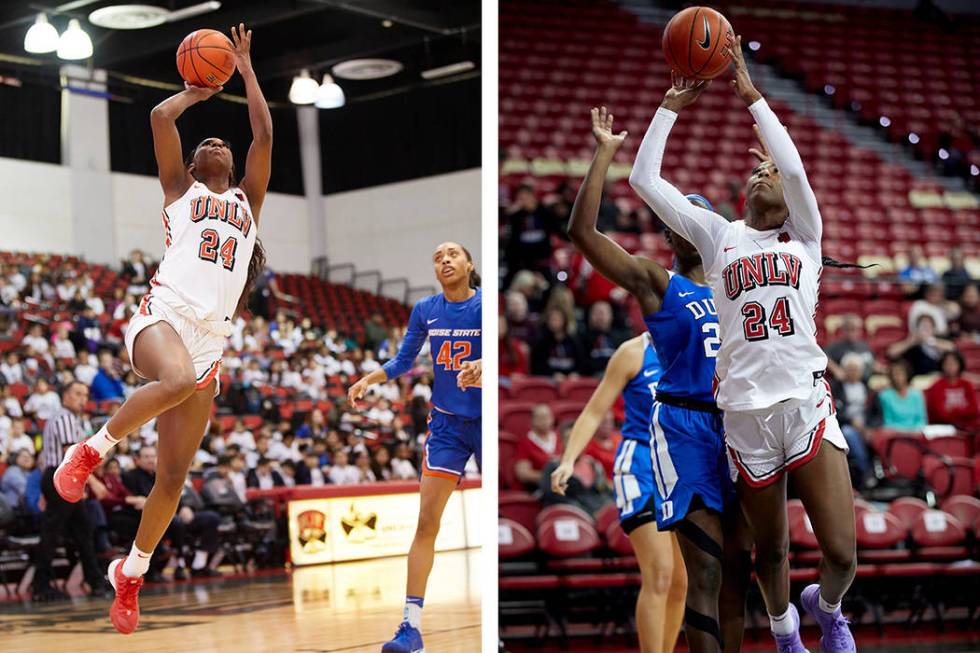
{"x":174,"y":177}
{"x":698,"y":225}
{"x":804,"y":215}
{"x":623,"y":366}
{"x":643,"y":278}
{"x":258,"y":163}
{"x":415,"y":336}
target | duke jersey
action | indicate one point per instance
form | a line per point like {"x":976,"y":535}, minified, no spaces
{"x":209,"y":240}
{"x":638,"y":394}
{"x":453,"y":330}
{"x":685,"y":334}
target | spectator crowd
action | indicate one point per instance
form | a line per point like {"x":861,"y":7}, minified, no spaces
{"x":281,"y":418}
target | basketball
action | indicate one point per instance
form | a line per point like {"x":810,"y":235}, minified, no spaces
{"x":206,"y":58}
{"x":694,"y":40}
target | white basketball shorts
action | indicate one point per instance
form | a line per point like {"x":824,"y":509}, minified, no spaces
{"x":764,"y":444}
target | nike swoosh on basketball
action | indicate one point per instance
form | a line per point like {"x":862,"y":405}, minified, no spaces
{"x":431,"y":321}
{"x":685,"y":294}
{"x":706,"y":43}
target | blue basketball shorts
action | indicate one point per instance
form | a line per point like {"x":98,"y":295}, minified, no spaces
{"x":684,"y":458}
{"x":452,"y":439}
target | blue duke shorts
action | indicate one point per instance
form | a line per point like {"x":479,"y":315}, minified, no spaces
{"x":684,"y":458}
{"x":451,"y":441}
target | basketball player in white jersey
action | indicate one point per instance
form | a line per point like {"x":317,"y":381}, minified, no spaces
{"x":176,"y":339}
{"x":779,"y":415}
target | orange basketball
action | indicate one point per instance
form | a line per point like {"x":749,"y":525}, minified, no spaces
{"x":206,"y":58}
{"x":693,"y":42}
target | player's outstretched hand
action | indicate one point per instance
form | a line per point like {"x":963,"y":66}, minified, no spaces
{"x":242,"y":40}
{"x":602,"y":129}
{"x":742,"y":83}
{"x":683,"y":92}
{"x":356,"y":392}
{"x":559,"y":478}
{"x":201,"y":93}
{"x":763,"y":154}
{"x":470,"y":375}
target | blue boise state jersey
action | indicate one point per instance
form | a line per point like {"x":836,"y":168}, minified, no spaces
{"x":453,"y":330}
{"x":685,"y":333}
{"x":638,"y":395}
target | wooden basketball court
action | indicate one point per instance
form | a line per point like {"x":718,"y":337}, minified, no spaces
{"x":347,"y":607}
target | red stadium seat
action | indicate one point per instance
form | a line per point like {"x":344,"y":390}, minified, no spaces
{"x":618,"y":541}
{"x":515,"y":417}
{"x":513,"y":539}
{"x":579,"y":390}
{"x":558,"y":510}
{"x":964,"y":508}
{"x":607,"y":516}
{"x":534,"y":389}
{"x":901,"y":452}
{"x":954,"y":446}
{"x":567,"y":537}
{"x":949,"y":476}
{"x":939,"y":536}
{"x":878,"y":536}
{"x":908,"y":510}
{"x":507,"y":452}
{"x":567,"y":411}
{"x":520,"y":507}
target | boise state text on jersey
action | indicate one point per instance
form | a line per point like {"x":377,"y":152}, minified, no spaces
{"x":685,"y":333}
{"x":638,"y":395}
{"x":453,"y":330}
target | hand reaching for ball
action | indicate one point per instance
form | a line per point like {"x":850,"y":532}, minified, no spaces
{"x":742,"y":83}
{"x":602,"y":123}
{"x":683,"y":92}
{"x":201,"y":93}
{"x":242,"y":41}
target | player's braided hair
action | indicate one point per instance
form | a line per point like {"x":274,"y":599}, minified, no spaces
{"x":474,"y":275}
{"x":834,"y":263}
{"x":256,"y":265}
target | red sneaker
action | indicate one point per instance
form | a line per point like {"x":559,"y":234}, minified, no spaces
{"x":125,"y":610}
{"x":74,"y":470}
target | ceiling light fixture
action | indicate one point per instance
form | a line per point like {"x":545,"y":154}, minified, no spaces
{"x":329,"y":95}
{"x":446,"y":71}
{"x":303,"y":89}
{"x":74,"y":43}
{"x":42,"y":37}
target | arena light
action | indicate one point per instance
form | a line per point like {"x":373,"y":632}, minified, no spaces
{"x":446,"y":71}
{"x":303,"y":89}
{"x":974,"y":170}
{"x":943,"y":154}
{"x":913,"y":138}
{"x":74,"y":43}
{"x":754,"y":46}
{"x":562,"y":276}
{"x":42,"y":37}
{"x":329,"y":95}
{"x":829,"y":89}
{"x":884,"y":121}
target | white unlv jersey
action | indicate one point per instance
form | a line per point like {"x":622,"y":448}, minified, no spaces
{"x":209,"y":238}
{"x":764,"y":282}
{"x":765,"y":287}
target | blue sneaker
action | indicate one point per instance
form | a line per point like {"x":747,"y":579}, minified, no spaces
{"x":407,"y":640}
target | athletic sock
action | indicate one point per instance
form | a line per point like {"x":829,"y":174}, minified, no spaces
{"x":200,"y":559}
{"x":136,"y":563}
{"x":782,"y":624}
{"x":827,"y":607}
{"x":102,"y":441}
{"x":413,"y":611}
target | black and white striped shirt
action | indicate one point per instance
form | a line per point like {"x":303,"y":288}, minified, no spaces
{"x":60,"y":432}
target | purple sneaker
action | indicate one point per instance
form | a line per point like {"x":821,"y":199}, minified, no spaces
{"x":836,"y":635}
{"x":791,"y":643}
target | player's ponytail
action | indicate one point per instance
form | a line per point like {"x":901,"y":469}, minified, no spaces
{"x":256,"y":265}
{"x":474,"y":275}
{"x":834,"y":263}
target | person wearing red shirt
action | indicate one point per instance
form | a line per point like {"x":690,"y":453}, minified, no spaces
{"x":604,"y":444}
{"x":537,"y":447}
{"x":952,"y":399}
{"x":512,"y":353}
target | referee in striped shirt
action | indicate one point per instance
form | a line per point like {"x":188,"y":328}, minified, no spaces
{"x":60,"y":518}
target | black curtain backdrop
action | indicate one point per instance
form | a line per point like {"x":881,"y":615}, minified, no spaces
{"x":418,"y":133}
{"x":30,"y":120}
{"x":131,"y":148}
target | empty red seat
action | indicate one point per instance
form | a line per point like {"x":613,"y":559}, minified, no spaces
{"x":579,"y":390}
{"x":557,"y":510}
{"x":939,"y":536}
{"x":513,"y":539}
{"x":964,"y":508}
{"x":534,"y":389}
{"x":520,"y":507}
{"x":879,"y":535}
{"x":507,"y":451}
{"x":515,"y":417}
{"x":949,"y":476}
{"x":908,"y":510}
{"x":566,"y":536}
